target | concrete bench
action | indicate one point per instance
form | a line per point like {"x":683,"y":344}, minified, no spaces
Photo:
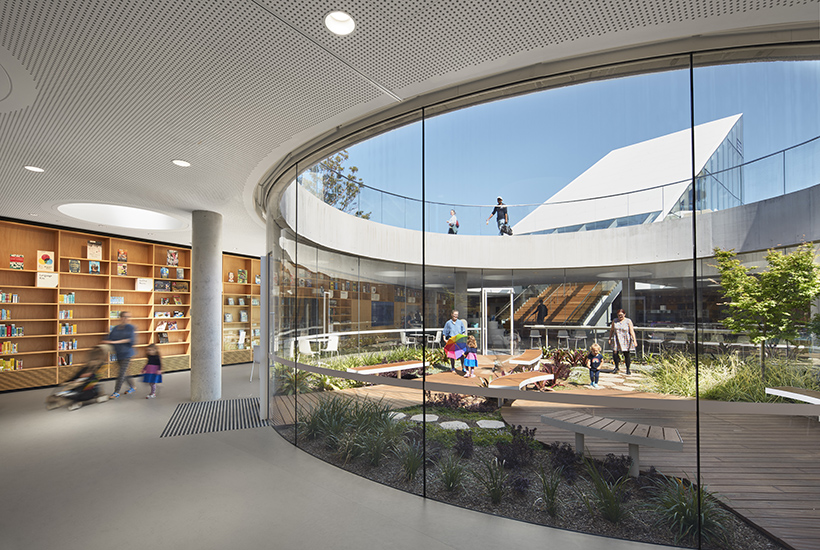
{"x":798,"y":394}
{"x":616,"y":430}
{"x":389,"y":367}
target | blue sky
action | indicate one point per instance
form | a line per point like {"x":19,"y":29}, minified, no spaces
{"x":529,"y":147}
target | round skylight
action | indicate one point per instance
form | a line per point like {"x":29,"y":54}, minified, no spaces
{"x":121,"y":216}
{"x":338,"y":22}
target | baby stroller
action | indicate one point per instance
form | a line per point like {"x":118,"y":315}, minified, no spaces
{"x":84,"y":386}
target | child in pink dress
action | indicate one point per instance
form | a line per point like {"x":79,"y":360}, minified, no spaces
{"x":152,"y":373}
{"x":470,"y":357}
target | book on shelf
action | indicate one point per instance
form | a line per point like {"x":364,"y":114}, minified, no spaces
{"x":172,"y":325}
{"x":16,"y":261}
{"x":254,"y":301}
{"x":161,"y":326}
{"x":179,"y":286}
{"x":162,"y":314}
{"x":122,"y":269}
{"x":257,"y":280}
{"x":48,"y":280}
{"x":45,"y":260}
{"x":94,"y":250}
{"x":162,"y":286}
{"x":242,"y":275}
{"x":180,"y":273}
{"x":231,"y":277}
{"x":229,"y":318}
{"x":122,"y":255}
{"x":74,"y":266}
{"x":242,"y":338}
{"x":241,"y":301}
{"x":243,"y":316}
{"x":179,"y":314}
{"x":163,"y":337}
{"x":163,"y":272}
{"x":177,"y":301}
{"x":94,"y":268}
{"x":143,"y":284}
{"x":172,"y":258}
{"x":164,"y":301}
{"x":231,"y":302}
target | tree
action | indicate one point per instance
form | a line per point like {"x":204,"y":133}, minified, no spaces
{"x":328,"y":181}
{"x":773,"y":304}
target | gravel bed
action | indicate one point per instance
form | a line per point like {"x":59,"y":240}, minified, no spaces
{"x":641,"y":524}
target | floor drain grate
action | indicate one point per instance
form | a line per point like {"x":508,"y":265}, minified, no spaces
{"x":214,"y":416}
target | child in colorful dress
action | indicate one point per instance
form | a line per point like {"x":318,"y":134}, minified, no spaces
{"x":152,"y":373}
{"x":470,"y":357}
{"x":593,"y":363}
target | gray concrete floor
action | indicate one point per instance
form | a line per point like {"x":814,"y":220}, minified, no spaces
{"x":101,"y":477}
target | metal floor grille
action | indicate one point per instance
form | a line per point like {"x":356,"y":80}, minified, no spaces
{"x":214,"y":416}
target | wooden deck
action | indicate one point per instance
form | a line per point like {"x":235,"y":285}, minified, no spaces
{"x":767,"y":468}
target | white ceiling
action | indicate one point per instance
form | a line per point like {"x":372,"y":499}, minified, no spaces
{"x":103,"y":94}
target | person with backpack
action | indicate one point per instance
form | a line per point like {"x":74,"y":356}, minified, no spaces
{"x":503,"y":220}
{"x":452,"y":223}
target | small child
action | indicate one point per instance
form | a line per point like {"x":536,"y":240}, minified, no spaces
{"x":593,"y":363}
{"x":152,"y":373}
{"x":470,"y":357}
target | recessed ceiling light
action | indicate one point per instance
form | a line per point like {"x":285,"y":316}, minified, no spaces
{"x":34,"y":168}
{"x":338,"y":22}
{"x":33,"y":214}
{"x":183,"y":163}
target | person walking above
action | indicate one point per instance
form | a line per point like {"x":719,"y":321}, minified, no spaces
{"x":452,"y":223}
{"x":622,"y":339}
{"x":452,"y":327}
{"x":122,"y":338}
{"x":501,"y":217}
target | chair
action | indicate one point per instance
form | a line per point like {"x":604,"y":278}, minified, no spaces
{"x":563,"y":335}
{"x":332,"y":344}
{"x":535,"y":335}
{"x":656,"y":339}
{"x":304,"y":347}
{"x":577,"y":336}
{"x":434,"y":341}
{"x":407,"y":340}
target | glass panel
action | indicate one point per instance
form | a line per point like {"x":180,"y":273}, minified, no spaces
{"x":753,"y":336}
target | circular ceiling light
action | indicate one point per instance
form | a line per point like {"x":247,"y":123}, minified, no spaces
{"x":121,"y":216}
{"x":34,"y":168}
{"x":338,"y":22}
{"x":183,"y":163}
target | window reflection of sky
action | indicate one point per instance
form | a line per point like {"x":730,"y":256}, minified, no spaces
{"x":527,"y":148}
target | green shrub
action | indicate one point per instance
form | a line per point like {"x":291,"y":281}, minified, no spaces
{"x":608,"y":498}
{"x":550,"y":480}
{"x":291,"y":381}
{"x":493,"y":478}
{"x":411,"y":458}
{"x":375,"y":445}
{"x":451,"y":472}
{"x":677,"y":502}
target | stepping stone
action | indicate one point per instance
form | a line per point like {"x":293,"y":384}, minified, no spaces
{"x":395,"y":415}
{"x":424,"y":418}
{"x":491,"y":424}
{"x":455,"y":425}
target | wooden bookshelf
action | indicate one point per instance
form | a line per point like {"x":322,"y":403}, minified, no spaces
{"x":241,"y":324}
{"x":60,"y":323}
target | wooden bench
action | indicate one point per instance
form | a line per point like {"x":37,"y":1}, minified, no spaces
{"x":389,"y":367}
{"x":798,"y":394}
{"x":529,"y":358}
{"x":520,"y":380}
{"x":616,"y":430}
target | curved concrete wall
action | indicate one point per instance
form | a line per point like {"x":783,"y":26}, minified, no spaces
{"x":781,"y":221}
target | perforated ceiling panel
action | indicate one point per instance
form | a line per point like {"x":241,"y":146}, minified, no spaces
{"x":398,"y":43}
{"x":115,"y":89}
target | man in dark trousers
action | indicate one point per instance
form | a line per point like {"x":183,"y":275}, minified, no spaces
{"x":541,"y":313}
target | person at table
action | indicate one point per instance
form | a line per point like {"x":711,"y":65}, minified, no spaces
{"x":622,"y":339}
{"x":452,"y":327}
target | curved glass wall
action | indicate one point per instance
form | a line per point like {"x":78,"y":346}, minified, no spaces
{"x":622,"y":195}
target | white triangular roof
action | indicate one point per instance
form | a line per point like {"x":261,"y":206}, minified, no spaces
{"x":631,"y":180}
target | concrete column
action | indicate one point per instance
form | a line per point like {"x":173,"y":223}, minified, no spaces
{"x":628,"y":298}
{"x":460,"y":298}
{"x":206,"y":306}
